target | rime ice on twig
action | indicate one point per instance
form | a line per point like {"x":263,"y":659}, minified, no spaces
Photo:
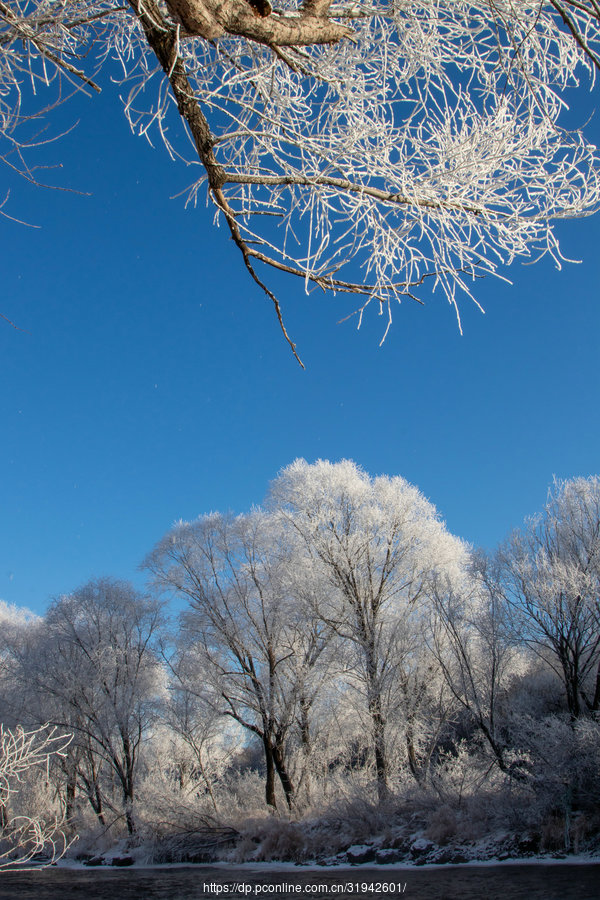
{"x":391,"y":140}
{"x":24,"y":837}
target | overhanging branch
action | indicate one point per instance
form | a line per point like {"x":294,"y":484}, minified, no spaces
{"x":163,"y":39}
{"x":253,"y":19}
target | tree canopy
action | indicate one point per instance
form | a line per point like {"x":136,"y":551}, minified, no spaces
{"x":365,"y":148}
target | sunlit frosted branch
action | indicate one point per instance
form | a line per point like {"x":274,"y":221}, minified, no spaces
{"x":389,"y":140}
{"x":22,"y":837}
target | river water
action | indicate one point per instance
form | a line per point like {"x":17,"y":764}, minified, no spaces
{"x":500,"y":882}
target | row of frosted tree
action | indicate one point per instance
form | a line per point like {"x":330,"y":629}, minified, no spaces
{"x":336,"y":642}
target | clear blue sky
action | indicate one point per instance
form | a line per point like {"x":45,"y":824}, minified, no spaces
{"x":152,"y":382}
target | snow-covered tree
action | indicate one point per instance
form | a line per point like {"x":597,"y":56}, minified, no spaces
{"x":93,"y":669}
{"x":551,"y":574}
{"x":362,"y":147}
{"x":198,"y":744}
{"x":477,"y":652}
{"x":15,"y":622}
{"x":381,"y":545}
{"x":246,"y":640}
{"x":15,"y":616}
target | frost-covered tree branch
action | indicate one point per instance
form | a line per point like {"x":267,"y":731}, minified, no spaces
{"x":22,"y":836}
{"x":366,"y":148}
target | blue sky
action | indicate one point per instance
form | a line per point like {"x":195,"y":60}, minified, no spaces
{"x":151,"y":382}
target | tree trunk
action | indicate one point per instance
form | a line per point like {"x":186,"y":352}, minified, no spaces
{"x":270,"y":774}
{"x":95,"y":799}
{"x":379,"y":749}
{"x":70,"y":789}
{"x":90,"y":778}
{"x":127,"y":782}
{"x":378,"y":724}
{"x":286,"y":781}
{"x":413,"y":762}
{"x":594,"y":704}
{"x":571,"y":675}
{"x":306,"y":747}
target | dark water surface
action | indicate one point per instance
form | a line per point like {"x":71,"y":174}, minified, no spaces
{"x":508,"y":882}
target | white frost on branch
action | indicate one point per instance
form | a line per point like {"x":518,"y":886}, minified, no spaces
{"x":427,"y":145}
{"x":23,"y":837}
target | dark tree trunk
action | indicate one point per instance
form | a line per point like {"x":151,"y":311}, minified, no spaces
{"x":286,"y":781}
{"x":90,"y":779}
{"x":378,"y":725}
{"x":306,"y":746}
{"x":70,"y":790}
{"x":379,"y":748}
{"x":571,"y":675}
{"x":95,"y":799}
{"x":127,"y":783}
{"x":270,"y":773}
{"x":594,"y":705}
{"x":130,"y":820}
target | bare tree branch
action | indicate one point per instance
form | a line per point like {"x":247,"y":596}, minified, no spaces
{"x":211,"y":19}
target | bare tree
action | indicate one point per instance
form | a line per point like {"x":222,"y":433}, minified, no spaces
{"x":417,"y":140}
{"x":24,"y":836}
{"x":551,"y":575}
